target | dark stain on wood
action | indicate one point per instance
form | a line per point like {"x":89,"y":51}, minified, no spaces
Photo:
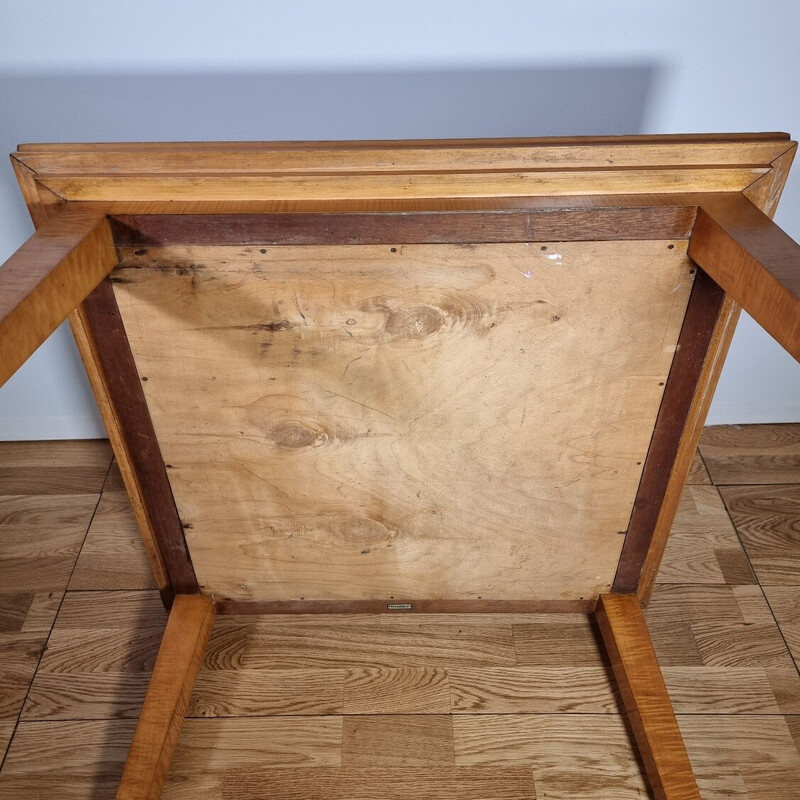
{"x":702,"y":312}
{"x":405,"y":606}
{"x":446,"y":227}
{"x":115,"y":358}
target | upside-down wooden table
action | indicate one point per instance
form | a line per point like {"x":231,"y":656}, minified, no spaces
{"x":404,"y":377}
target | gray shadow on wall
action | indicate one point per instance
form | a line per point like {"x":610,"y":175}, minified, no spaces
{"x":427,"y":104}
{"x":564,"y":101}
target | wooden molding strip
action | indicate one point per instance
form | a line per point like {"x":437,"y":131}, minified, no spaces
{"x":562,"y":225}
{"x":61,"y":263}
{"x":645,"y":698}
{"x":103,"y":342}
{"x":397,"y":185}
{"x":405,"y":606}
{"x":697,"y":332}
{"x":167,"y":699}
{"x":754,"y":261}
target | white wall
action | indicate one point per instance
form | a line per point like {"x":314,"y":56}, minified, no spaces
{"x":95,"y":70}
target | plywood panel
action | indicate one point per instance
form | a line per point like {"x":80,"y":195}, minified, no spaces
{"x":405,"y":422}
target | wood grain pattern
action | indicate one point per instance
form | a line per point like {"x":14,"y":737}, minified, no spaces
{"x":648,"y":707}
{"x":260,"y":157}
{"x":64,"y":467}
{"x":30,"y":561}
{"x":698,"y":474}
{"x":442,"y":227}
{"x":235,"y":744}
{"x":329,"y":480}
{"x":723,"y":628}
{"x":752,"y":454}
{"x":160,"y":722}
{"x":47,"y":277}
{"x":785,"y":604}
{"x":754,"y":261}
{"x":571,"y":756}
{"x":367,"y":186}
{"x":766,"y":191}
{"x":369,"y":783}
{"x":703,"y":546}
{"x":398,"y":690}
{"x":112,"y":556}
{"x":263,"y":692}
{"x":767,"y":519}
{"x":745,"y":757}
{"x":89,"y":754}
{"x":532,"y":690}
{"x":339,"y":641}
{"x":398,"y":741}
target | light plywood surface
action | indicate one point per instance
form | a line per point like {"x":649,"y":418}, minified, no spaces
{"x":359,"y":421}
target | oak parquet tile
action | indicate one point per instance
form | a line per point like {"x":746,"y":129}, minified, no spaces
{"x":786,"y":688}
{"x":732,"y":634}
{"x":75,"y":760}
{"x":214,"y":745}
{"x":785,"y":604}
{"x":368,"y":783}
{"x":113,"y":481}
{"x":521,"y":690}
{"x":558,"y":644}
{"x":703,"y":546}
{"x":403,"y":740}
{"x":698,"y":474}
{"x":721,"y":690}
{"x":89,"y":695}
{"x":14,"y":610}
{"x":402,"y":690}
{"x":572,"y":755}
{"x":262,"y":692}
{"x":65,"y":454}
{"x":767,"y":519}
{"x":19,"y":655}
{"x":6,"y":731}
{"x":794,"y":728}
{"x":394,"y":642}
{"x":756,"y":751}
{"x":99,"y":656}
{"x":40,"y":537}
{"x":749,"y":454}
{"x":54,"y":468}
{"x":112,"y":557}
{"x":725,"y":645}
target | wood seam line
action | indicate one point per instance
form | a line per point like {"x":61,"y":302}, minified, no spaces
{"x":48,"y":277}
{"x":167,"y":699}
{"x":645,"y":698}
{"x":769,"y":176}
{"x":754,"y":261}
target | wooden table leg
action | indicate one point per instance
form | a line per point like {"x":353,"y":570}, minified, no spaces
{"x":645,"y":697}
{"x":161,"y":720}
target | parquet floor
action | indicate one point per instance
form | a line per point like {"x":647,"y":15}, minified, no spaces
{"x":388,"y":707}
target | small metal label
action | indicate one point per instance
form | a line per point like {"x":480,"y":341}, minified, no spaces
{"x":399,"y":606}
